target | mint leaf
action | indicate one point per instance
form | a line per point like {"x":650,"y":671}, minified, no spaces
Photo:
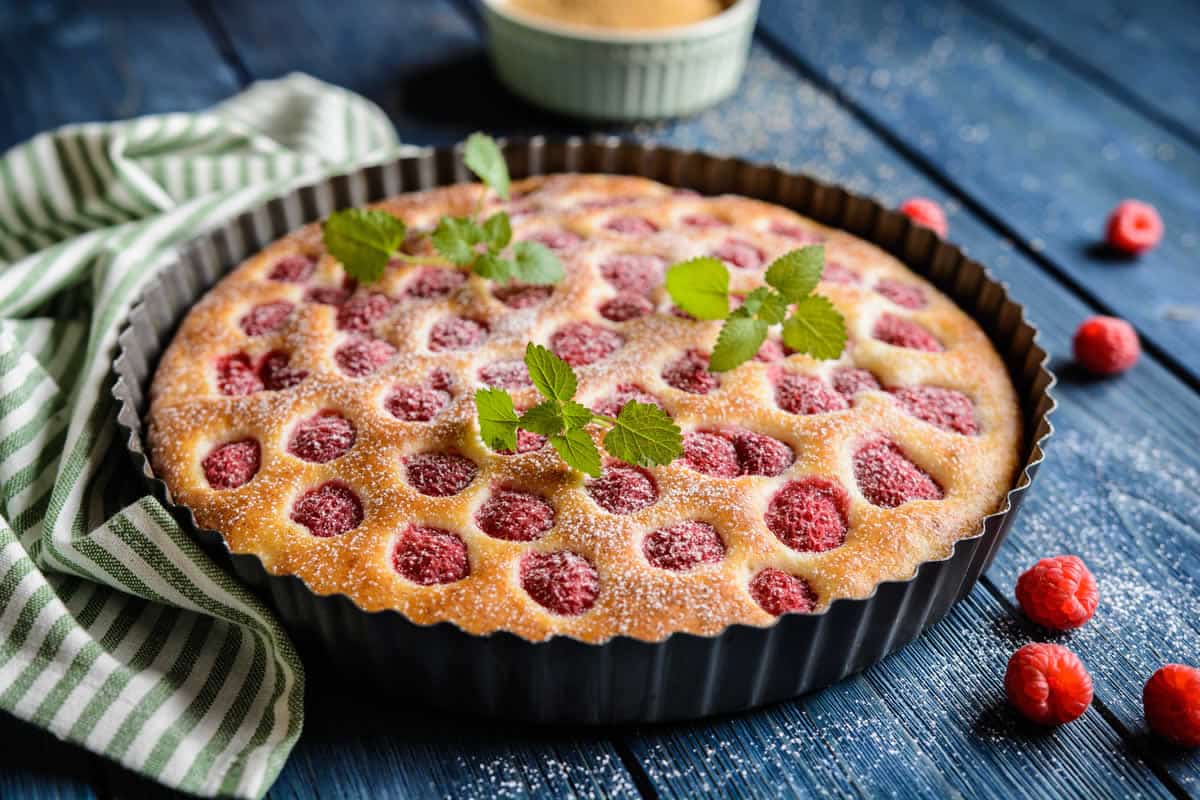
{"x":575,"y":415}
{"x":644,"y":435}
{"x":545,"y":418}
{"x":536,"y":264}
{"x":700,"y":287}
{"x":773,"y":309}
{"x":795,"y":274}
{"x":752,"y":302}
{"x":497,"y":419}
{"x":552,"y":376}
{"x":738,"y":342}
{"x":577,"y":449}
{"x":363,"y":240}
{"x":497,"y":231}
{"x":493,"y":267}
{"x":456,"y":237}
{"x":483,"y":157}
{"x":816,"y":328}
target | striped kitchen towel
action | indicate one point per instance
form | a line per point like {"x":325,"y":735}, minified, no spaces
{"x":116,"y":631}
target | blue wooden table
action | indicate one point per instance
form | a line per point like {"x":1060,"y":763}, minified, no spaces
{"x":1028,"y":121}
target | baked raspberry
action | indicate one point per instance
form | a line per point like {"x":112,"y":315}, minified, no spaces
{"x":293,"y":269}
{"x":265,"y":318}
{"x":322,"y":437}
{"x":625,"y":307}
{"x":703,"y":221}
{"x":791,"y":230}
{"x":522,"y":295}
{"x":1106,"y":345}
{"x":887,"y":478}
{"x":809,"y":515}
{"x":633,"y":272}
{"x":1171,"y":700}
{"x":515,"y":516}
{"x":456,"y":333}
{"x":412,"y":403}
{"x":771,"y":350}
{"x":806,"y":394}
{"x":527,"y":442}
{"x":328,"y":510}
{"x":597,"y":203}
{"x":683,"y":546}
{"x":632,"y":226}
{"x":711,"y":454}
{"x":236,"y":375}
{"x":779,"y":593}
{"x":740,"y":253}
{"x":1134,"y":227}
{"x":927,"y":214}
{"x":581,"y":343}
{"x":361,"y":311}
{"x":435,"y":282}
{"x":277,"y":373}
{"x":556,"y":240}
{"x":362,"y":355}
{"x":945,"y":408}
{"x":328,"y":295}
{"x":622,"y":489}
{"x":439,"y":474}
{"x":1058,"y":593}
{"x":611,"y":406}
{"x":902,"y":294}
{"x":901,"y":332}
{"x":836,"y":272}
{"x":430,"y":556}
{"x":564,"y":582}
{"x":689,"y":373}
{"x":758,"y":454}
{"x":509,"y":374}
{"x":232,"y":464}
{"x":849,"y":381}
{"x":1048,"y":684}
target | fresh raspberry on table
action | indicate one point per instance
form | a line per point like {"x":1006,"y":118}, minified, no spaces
{"x":1106,"y":345}
{"x":927,"y":214}
{"x":1171,"y":700}
{"x":1134,"y":227}
{"x":1048,"y":684}
{"x":1058,"y":593}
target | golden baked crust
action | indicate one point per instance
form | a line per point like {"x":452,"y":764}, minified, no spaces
{"x":189,"y":417}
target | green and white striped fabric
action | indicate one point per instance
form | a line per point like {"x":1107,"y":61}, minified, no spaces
{"x":116,"y":631}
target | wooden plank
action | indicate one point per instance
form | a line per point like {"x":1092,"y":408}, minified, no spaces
{"x":36,"y":766}
{"x":77,"y":62}
{"x":1147,"y":53}
{"x":1039,"y":150}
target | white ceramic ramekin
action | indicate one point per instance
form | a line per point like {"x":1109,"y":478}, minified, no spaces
{"x":620,"y":75}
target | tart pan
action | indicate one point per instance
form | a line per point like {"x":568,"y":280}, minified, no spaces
{"x":563,"y":679}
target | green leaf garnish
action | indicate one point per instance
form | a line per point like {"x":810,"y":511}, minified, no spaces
{"x":795,"y":274}
{"x":644,"y":435}
{"x":641,"y":434}
{"x":700,"y":287}
{"x":816,"y":328}
{"x":363,"y":240}
{"x":483,"y":157}
{"x":552,"y":376}
{"x":737,"y":342}
{"x":497,"y":231}
{"x":536,"y":264}
{"x":456,"y":238}
{"x":493,"y":268}
{"x":497,"y":419}
{"x":577,"y":449}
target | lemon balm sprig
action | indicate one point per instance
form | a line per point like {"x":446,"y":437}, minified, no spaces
{"x":641,"y":434}
{"x":365,"y":240}
{"x":700,"y":287}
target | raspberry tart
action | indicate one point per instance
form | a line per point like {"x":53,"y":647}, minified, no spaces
{"x":328,"y":428}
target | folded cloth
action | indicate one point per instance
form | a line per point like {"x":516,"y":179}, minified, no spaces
{"x":116,"y":631}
